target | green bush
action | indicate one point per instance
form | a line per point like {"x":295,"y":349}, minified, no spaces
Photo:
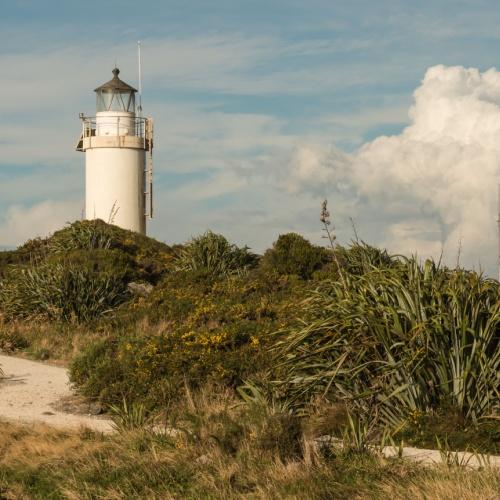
{"x":199,"y":329}
{"x":80,"y":272}
{"x":30,"y":252}
{"x":293,"y":254}
{"x":7,"y":258}
{"x":152,"y":259}
{"x":75,"y":286}
{"x":397,"y":342}
{"x":152,"y":368}
{"x":212,"y":254}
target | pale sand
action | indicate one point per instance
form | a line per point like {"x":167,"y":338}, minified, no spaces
{"x":29,"y":391}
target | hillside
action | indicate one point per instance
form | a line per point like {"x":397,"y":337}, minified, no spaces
{"x":301,"y":341}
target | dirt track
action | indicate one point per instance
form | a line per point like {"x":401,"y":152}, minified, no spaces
{"x":31,"y":392}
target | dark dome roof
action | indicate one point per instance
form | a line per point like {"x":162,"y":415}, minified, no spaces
{"x":115,"y":85}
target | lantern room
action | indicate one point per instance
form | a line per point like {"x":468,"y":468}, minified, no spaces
{"x":115,"y":95}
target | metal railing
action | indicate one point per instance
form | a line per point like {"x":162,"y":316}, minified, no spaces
{"x":116,"y":126}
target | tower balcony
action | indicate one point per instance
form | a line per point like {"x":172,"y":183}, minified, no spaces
{"x":115,"y":130}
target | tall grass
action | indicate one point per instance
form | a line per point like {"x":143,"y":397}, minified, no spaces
{"x":60,"y":290}
{"x":401,"y":339}
{"x":212,"y":254}
{"x":88,"y":235}
{"x":221,"y":451}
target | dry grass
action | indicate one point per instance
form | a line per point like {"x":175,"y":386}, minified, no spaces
{"x":41,"y":339}
{"x":224,"y":450}
{"x":447,"y":484}
{"x":33,"y":445}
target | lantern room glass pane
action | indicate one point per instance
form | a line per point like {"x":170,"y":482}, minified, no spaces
{"x":115,"y":101}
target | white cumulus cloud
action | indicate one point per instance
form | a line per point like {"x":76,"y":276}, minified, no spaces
{"x":432,"y":188}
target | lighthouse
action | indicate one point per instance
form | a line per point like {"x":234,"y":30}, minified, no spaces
{"x":118,"y":147}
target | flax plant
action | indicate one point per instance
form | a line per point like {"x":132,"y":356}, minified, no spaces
{"x":213,"y":254}
{"x":130,"y":416}
{"x":402,"y":339}
{"x":90,"y":235}
{"x":60,"y":290}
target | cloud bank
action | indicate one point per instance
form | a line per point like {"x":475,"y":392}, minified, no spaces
{"x":430,"y":189}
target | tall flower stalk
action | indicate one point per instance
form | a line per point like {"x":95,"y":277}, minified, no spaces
{"x":329,"y":229}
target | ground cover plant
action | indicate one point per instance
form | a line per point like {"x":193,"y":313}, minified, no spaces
{"x":222,"y":449}
{"x":187,"y":330}
{"x":397,"y":347}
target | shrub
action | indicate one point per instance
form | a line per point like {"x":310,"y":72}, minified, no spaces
{"x":78,"y":273}
{"x":150,"y":368}
{"x":400,"y":340}
{"x":198,"y":329}
{"x":293,"y":254}
{"x":152,"y":259}
{"x":7,"y":258}
{"x":76,"y":286}
{"x":30,"y":252}
{"x":212,"y":254}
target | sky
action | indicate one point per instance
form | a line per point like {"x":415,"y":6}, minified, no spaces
{"x":262,"y":109}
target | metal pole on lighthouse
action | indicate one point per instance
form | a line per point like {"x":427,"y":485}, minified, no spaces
{"x":116,"y":142}
{"x":498,"y":223}
{"x":139,"y":64}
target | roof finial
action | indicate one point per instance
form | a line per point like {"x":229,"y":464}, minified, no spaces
{"x":116,"y":72}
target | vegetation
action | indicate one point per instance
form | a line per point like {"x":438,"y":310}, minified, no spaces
{"x":150,"y":258}
{"x":250,"y":359}
{"x":294,"y":255}
{"x":222,"y":449}
{"x":73,"y":286}
{"x":189,"y":329}
{"x":399,"y":342}
{"x":78,"y":274}
{"x":213,"y":255}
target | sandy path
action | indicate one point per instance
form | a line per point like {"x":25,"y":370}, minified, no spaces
{"x":30,"y":390}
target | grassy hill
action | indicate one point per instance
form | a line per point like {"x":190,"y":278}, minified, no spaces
{"x":301,"y":341}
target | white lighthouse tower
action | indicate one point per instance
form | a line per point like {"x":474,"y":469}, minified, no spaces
{"x":118,"y":145}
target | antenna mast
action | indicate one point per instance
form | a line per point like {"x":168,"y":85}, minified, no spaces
{"x":498,"y":222}
{"x":139,"y":108}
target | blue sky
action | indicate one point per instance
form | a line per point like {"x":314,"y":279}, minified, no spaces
{"x":238,"y":91}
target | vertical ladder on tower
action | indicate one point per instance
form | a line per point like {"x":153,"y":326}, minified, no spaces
{"x":148,"y":174}
{"x":149,"y":184}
